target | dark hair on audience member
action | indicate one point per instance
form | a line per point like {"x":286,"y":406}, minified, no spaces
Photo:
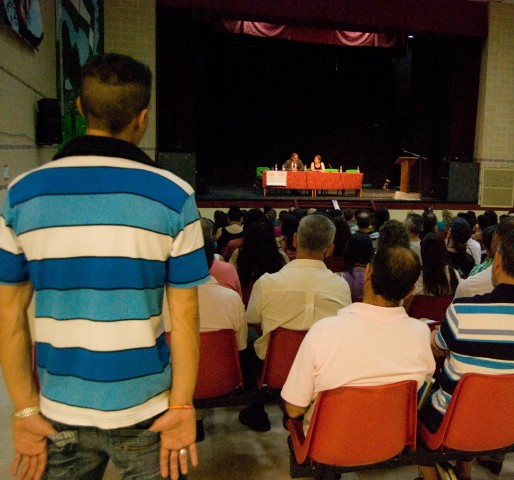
{"x":270,"y":212}
{"x":487,"y":219}
{"x":429,"y":220}
{"x":467,"y":217}
{"x":393,"y":232}
{"x":348,"y":214}
{"x":234,"y":213}
{"x":363,"y":219}
{"x":472,"y":217}
{"x":439,"y":277}
{"x":487,"y":236}
{"x":259,"y":253}
{"x":342,"y":236}
{"x":114,"y":89}
{"x":337,"y":213}
{"x":359,"y":250}
{"x":208,"y":240}
{"x":220,"y":220}
{"x":414,"y":223}
{"x":289,"y":227}
{"x":252,"y":216}
{"x":505,"y":225}
{"x":506,"y":250}
{"x":315,"y":233}
{"x":395,"y":271}
{"x":381,"y":216}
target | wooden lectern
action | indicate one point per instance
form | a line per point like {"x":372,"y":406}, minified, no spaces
{"x":406,"y":163}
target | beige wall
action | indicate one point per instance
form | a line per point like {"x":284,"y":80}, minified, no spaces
{"x":494,"y":143}
{"x":130,"y":29}
{"x":26,"y":75}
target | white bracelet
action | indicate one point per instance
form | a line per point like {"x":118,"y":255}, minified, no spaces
{"x":25,"y":412}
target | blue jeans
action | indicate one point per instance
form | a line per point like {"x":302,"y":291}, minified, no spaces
{"x":76,"y":453}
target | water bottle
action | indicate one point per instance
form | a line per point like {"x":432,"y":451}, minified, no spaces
{"x":276,"y":167}
{"x":340,"y":168}
{"x":358,"y":169}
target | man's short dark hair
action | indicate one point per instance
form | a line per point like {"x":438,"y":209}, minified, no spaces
{"x":234,"y":213}
{"x":395,"y":271}
{"x":506,"y":250}
{"x":487,"y":236}
{"x":429,"y":220}
{"x":393,"y":233}
{"x":363,"y":219}
{"x":414,"y":223}
{"x":114,"y":89}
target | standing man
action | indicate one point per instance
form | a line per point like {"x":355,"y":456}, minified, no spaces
{"x":98,"y":235}
{"x":293,"y":163}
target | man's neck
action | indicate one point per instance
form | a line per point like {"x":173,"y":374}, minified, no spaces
{"x":124,"y":135}
{"x":379,"y":301}
{"x":305,"y":255}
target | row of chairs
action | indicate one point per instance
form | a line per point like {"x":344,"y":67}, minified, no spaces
{"x":354,"y":428}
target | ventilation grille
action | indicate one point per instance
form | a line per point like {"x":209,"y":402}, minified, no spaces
{"x":497,"y":188}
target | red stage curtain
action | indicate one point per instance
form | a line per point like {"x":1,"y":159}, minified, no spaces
{"x":312,"y":35}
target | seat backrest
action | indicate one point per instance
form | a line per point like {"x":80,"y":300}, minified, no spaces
{"x":282,"y":348}
{"x":434,"y":308}
{"x":219,"y":371}
{"x":480,"y":414}
{"x":362,"y":425}
{"x":259,"y":170}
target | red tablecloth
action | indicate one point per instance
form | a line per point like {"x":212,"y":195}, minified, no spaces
{"x":320,"y":181}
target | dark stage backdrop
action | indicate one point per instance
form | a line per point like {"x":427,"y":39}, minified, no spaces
{"x":239,"y":102}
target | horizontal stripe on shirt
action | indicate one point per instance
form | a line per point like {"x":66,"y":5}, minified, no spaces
{"x":110,"y":366}
{"x":104,"y":396}
{"x":99,"y":305}
{"x":99,"y":336}
{"x":14,"y":268}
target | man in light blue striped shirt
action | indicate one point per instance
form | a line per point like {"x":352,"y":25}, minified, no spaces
{"x":98,"y":235}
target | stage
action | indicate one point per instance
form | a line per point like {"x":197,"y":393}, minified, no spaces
{"x":223,"y":196}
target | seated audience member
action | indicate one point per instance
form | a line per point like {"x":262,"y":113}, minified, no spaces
{"x":231,"y":231}
{"x":381,"y":216}
{"x":486,"y":237}
{"x":220,"y":307}
{"x":220,"y":220}
{"x":278,"y":230}
{"x":393,"y":232}
{"x":271,"y":215}
{"x":481,"y":282}
{"x":357,"y":255}
{"x":363,"y":222}
{"x":429,"y":222}
{"x":290,"y":224}
{"x":259,"y":254}
{"x":335,"y":262}
{"x":254,"y":215}
{"x":444,"y":224}
{"x":457,"y":244}
{"x":296,"y":297}
{"x":370,"y":343}
{"x":437,"y":277}
{"x":414,"y":226}
{"x":317,"y":165}
{"x":473,"y":246}
{"x":470,"y":340}
{"x":349,"y":217}
{"x":224,"y":273}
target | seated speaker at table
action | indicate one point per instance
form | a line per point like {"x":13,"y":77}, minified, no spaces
{"x":293,"y":163}
{"x":317,"y":165}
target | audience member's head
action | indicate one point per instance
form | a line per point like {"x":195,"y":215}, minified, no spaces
{"x":363,"y":220}
{"x":394,"y":272}
{"x":358,"y":252}
{"x":289,"y":227}
{"x":469,"y":218}
{"x":503,"y":270}
{"x":487,"y":239}
{"x":343,"y":233}
{"x":252,"y":216}
{"x":234,"y":214}
{"x":487,"y":219}
{"x":381,"y":216}
{"x":393,"y":233}
{"x":460,"y":230}
{"x":429,"y":221}
{"x":114,"y":90}
{"x":447,"y":219}
{"x":505,"y":225}
{"x":208,"y":240}
{"x":414,"y":225}
{"x":220,"y":220}
{"x":348,"y":214}
{"x":270,"y":212}
{"x":315,"y":235}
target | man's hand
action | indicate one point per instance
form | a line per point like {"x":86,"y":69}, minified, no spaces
{"x":178,"y":431}
{"x":30,"y":447}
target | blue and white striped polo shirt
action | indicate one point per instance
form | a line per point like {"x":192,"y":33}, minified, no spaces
{"x":479,"y":334}
{"x":99,"y":232}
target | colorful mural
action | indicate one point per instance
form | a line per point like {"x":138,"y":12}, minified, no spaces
{"x":24,"y":17}
{"x":79,"y":35}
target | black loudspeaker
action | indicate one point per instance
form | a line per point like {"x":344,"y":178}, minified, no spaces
{"x":463,"y":182}
{"x":181,"y":164}
{"x":48,"y":122}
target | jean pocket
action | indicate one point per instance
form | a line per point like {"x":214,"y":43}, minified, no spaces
{"x":137,"y":440}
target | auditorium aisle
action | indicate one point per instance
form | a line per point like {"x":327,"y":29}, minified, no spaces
{"x":232,"y":451}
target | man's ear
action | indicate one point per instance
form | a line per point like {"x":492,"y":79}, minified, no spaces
{"x":79,"y":106}
{"x":329,"y":251}
{"x":367,"y":273}
{"x":142,"y":119}
{"x":295,"y":240}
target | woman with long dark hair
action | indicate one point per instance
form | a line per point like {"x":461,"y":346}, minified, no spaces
{"x":259,"y":254}
{"x":358,"y":253}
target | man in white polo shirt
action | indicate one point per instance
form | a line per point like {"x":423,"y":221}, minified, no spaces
{"x":370,"y":343}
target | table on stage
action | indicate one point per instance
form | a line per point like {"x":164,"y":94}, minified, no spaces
{"x":312,"y":181}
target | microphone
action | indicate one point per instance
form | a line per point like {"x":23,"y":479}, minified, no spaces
{"x":330,"y":166}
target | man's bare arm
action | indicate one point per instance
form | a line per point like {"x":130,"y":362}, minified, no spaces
{"x":178,"y":426}
{"x":294,"y":411}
